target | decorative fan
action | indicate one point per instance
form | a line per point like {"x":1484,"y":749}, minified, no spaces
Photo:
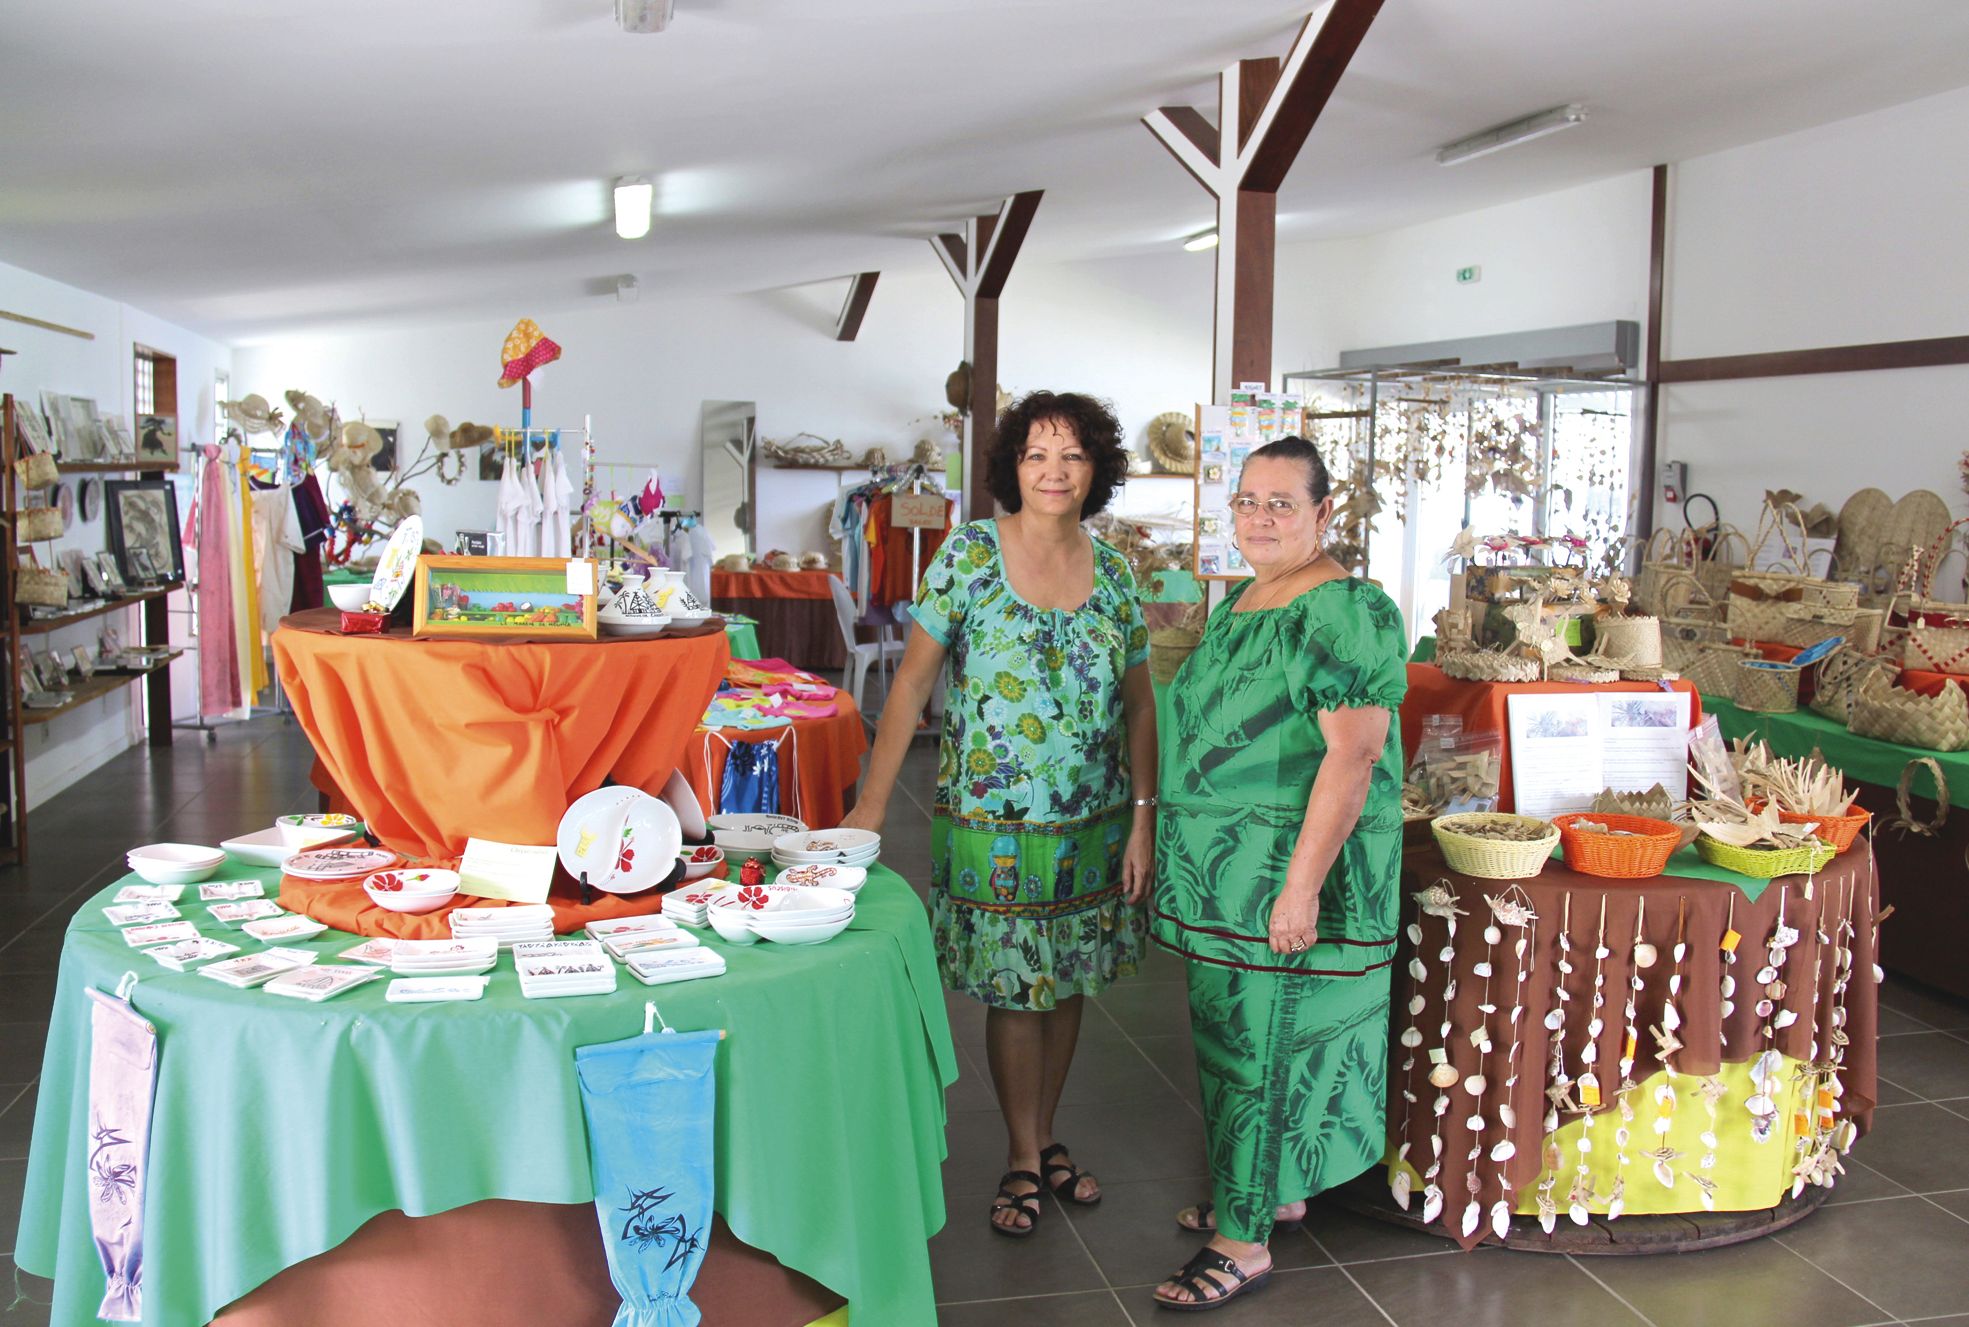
{"x":1172,"y":443}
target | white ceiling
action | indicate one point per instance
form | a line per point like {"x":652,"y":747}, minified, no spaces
{"x":246,"y":167}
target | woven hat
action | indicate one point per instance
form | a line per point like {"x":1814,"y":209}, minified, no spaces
{"x":812,"y":561}
{"x":361,"y":441}
{"x":526,"y":349}
{"x":957,"y":387}
{"x":468,"y":435}
{"x":1172,"y":446}
{"x":252,"y":413}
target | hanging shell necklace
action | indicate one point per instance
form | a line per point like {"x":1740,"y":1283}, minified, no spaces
{"x":1644,"y":956}
{"x":1439,"y":900}
{"x":1411,"y":1039}
{"x":1511,"y":908}
{"x":1579,"y":1199}
{"x":1762,"y":1104}
{"x":1559,"y":1086}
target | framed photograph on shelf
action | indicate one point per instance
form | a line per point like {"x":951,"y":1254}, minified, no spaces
{"x":157,"y":438}
{"x":517,"y":597}
{"x":54,"y":406}
{"x":85,"y":662}
{"x":142,"y":569}
{"x":54,"y":673}
{"x":30,"y":428}
{"x":109,"y":642}
{"x":385,"y":459}
{"x":142,"y":516}
{"x":110,"y":575}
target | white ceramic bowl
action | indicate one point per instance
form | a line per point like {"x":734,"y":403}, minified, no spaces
{"x":734,"y":924}
{"x":349,"y":598}
{"x":825,"y":875}
{"x":779,"y":932}
{"x":423,"y":890}
{"x":315,"y":831}
{"x":175,"y":863}
{"x":698,"y":870}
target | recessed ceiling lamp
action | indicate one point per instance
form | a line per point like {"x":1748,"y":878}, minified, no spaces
{"x":644,"y":15}
{"x":1203,"y":239}
{"x":633,"y":197}
{"x":1510,"y":135}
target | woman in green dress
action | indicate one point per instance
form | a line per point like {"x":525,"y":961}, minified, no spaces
{"x":1043,"y":824}
{"x":1279,"y":851}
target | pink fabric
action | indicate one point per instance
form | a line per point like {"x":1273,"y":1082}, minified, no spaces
{"x":218,"y":639}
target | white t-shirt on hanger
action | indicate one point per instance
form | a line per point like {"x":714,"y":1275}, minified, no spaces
{"x":512,"y":503}
{"x":556,"y":534}
{"x":529,"y":545}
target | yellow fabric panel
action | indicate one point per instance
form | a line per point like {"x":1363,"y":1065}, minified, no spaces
{"x":256,"y":655}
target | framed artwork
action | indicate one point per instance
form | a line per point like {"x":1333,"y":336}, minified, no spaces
{"x":157,"y":438}
{"x":142,"y":516}
{"x":110,"y":575}
{"x":71,"y":560}
{"x":385,"y":458}
{"x":30,"y":428}
{"x":492,"y":461}
{"x":85,"y":662}
{"x":109,"y":642}
{"x":54,"y":673}
{"x":55,"y":407}
{"x":114,"y":434}
{"x":468,"y":596}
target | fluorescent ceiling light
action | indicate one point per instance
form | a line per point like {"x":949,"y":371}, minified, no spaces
{"x":1510,"y":135}
{"x":644,"y":15}
{"x":1200,"y":241}
{"x":633,"y":197}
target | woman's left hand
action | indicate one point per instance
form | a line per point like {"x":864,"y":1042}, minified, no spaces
{"x":1295,"y":919}
{"x":1138,"y":862}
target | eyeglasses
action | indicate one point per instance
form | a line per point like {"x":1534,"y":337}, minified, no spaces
{"x":1279,"y":508}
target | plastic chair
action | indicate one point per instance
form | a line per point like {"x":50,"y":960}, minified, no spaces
{"x":860,"y":653}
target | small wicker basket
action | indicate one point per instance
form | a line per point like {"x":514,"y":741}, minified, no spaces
{"x":38,"y":523}
{"x":1765,"y":863}
{"x":1493,"y":859}
{"x":41,"y":586}
{"x":1840,"y":831}
{"x":1638,"y":848}
{"x":1169,"y":647}
{"x":1766,"y":687}
{"x":37,"y":470}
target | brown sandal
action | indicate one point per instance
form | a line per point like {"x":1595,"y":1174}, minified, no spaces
{"x":1208,"y":1293}
{"x":1026,"y":1204}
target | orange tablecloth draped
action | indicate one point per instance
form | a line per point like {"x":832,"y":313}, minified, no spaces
{"x":1482,"y":705}
{"x":827,"y":761}
{"x":433,"y":741}
{"x":769,"y":585}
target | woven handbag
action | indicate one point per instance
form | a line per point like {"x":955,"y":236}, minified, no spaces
{"x":43,"y":586}
{"x":1894,"y":714}
{"x":38,"y":470}
{"x":1767,"y":687}
{"x":1714,"y":671}
{"x":38,"y":523}
{"x":1665,"y":556}
{"x":1808,"y":624}
{"x":1840,"y":677}
{"x":1933,"y":634}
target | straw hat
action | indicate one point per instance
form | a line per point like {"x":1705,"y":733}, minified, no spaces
{"x":252,"y":413}
{"x":813,"y":561}
{"x":468,"y":435}
{"x":1172,"y":445}
{"x":361,"y":441}
{"x":438,"y":429}
{"x":957,"y":387}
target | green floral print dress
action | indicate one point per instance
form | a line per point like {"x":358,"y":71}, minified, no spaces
{"x":1292,"y":1049}
{"x":1033,"y":807}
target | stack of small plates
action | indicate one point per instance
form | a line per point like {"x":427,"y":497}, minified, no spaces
{"x":508,"y":926}
{"x":677,"y":965}
{"x":828,"y":847}
{"x":687,"y":905}
{"x":444,"y":958}
{"x":175,"y":863}
{"x":550,"y":968}
{"x":743,"y":836}
{"x":641,"y":935}
{"x":803,"y":916}
{"x":816,"y":874}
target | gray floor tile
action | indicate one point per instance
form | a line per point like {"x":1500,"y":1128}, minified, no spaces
{"x":972,"y":1090}
{"x":1957,"y":1202}
{"x":1092,"y":1309}
{"x":25,"y":1300}
{"x":1149,"y":1009}
{"x":16,"y":1122}
{"x":975,"y":1142}
{"x":13,"y":1181}
{"x":1930,"y":1064}
{"x":969,"y":1261}
{"x":1862,"y":1183}
{"x":1134,"y":1238}
{"x":1758,"y":1284}
{"x":20,"y":1051}
{"x":1108,"y":1067}
{"x":1893,"y":1094}
{"x":30,"y":998}
{"x":1489,"y":1288}
{"x":1923,"y":1147}
{"x":1292,"y":1298}
{"x":1349,"y":1237}
{"x":1176,"y":1058}
{"x":1894,"y":1023}
{"x":1937,"y":1009}
{"x":1121,"y":1145}
{"x":1898,"y":1253}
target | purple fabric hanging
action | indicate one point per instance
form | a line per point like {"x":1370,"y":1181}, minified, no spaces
{"x":122,"y":1076}
{"x":218,"y":633}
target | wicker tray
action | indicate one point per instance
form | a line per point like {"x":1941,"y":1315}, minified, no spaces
{"x":1840,"y":831}
{"x":1765,"y":863}
{"x":1493,"y":859}
{"x":1639,"y":850}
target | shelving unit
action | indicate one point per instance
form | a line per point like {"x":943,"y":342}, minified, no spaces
{"x":117,"y":467}
{"x":13,"y":770}
{"x":41,"y":626}
{"x":95,"y":688}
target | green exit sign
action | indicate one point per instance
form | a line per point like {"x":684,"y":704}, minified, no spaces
{"x":1467,"y":275}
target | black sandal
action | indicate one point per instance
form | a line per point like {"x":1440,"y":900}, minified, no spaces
{"x":1064,"y":1190}
{"x":1026,"y":1204}
{"x":1206,"y":1207}
{"x":1208,"y":1293}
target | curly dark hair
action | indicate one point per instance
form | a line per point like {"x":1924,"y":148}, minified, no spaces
{"x":1093,"y":423}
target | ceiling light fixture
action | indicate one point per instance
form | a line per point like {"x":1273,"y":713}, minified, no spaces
{"x":1510,"y":135}
{"x":644,"y":15}
{"x":633,"y":197}
{"x":1203,"y":239}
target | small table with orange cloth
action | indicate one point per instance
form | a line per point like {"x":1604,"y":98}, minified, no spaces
{"x":819,"y":762}
{"x":794,"y":610}
{"x":433,"y":740}
{"x":1483,"y":706}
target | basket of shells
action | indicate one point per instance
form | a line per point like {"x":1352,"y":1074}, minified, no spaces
{"x":1617,"y":847}
{"x":1492,"y":845}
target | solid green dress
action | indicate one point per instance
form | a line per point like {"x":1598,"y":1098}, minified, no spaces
{"x":1033,"y":805}
{"x":1292,"y":1049}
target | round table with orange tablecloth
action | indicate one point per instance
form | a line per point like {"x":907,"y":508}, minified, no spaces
{"x":794,"y":611}
{"x":432,"y":740}
{"x":824,"y":755}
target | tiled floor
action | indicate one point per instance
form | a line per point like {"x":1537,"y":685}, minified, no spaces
{"x":1892,"y":1247}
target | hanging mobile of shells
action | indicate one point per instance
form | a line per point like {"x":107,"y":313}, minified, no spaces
{"x":1845,"y":1133}
{"x":1812,"y":1146}
{"x":1400,"y":1183}
{"x":1728,"y":984}
{"x":1712,"y":1091}
{"x":1579,"y":1200}
{"x":1439,"y":900}
{"x":1559,"y":1086}
{"x":1762,"y":1104}
{"x":1624,"y":1093}
{"x":1513,"y":909}
{"x":1476,"y":1084}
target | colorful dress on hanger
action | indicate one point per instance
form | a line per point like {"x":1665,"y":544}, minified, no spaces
{"x":1033,"y":805}
{"x":1291,"y":1049}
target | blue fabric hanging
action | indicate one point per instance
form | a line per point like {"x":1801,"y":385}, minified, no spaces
{"x":649,"y":1104}
{"x":751,"y":782}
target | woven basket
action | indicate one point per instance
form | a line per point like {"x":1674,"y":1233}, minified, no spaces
{"x":1169,"y":647}
{"x":1929,"y":647}
{"x":38,"y":523}
{"x":1840,"y":677}
{"x":1487,"y":666}
{"x":1637,"y":849}
{"x":1492,"y":859}
{"x":1806,"y":624}
{"x":1840,"y":831}
{"x":1714,"y":671}
{"x":1893,"y":714}
{"x":38,"y":470}
{"x":1765,"y":863}
{"x":1766,"y":687}
{"x":42,"y":586}
{"x":1633,"y":641}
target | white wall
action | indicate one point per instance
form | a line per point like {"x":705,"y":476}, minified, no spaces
{"x":1847,"y":233}
{"x":63,"y":750}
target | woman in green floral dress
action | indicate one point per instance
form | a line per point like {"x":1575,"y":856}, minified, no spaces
{"x":1279,"y":853}
{"x":1044,"y":818}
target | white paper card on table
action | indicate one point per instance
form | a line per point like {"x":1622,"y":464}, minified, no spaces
{"x":249,"y":970}
{"x":1566,"y":749}
{"x":149,"y":894}
{"x":221,"y":891}
{"x":518,"y":872}
{"x":288,"y":927}
{"x":426,"y":990}
{"x":295,"y":956}
{"x":378,"y":950}
{"x":650,"y":942}
{"x":580,"y":576}
{"x":134,"y":914}
{"x":659,"y":969}
{"x":618,"y":926}
{"x":246,"y":910}
{"x":321,"y":981}
{"x":182,"y":955}
{"x":159,"y":933}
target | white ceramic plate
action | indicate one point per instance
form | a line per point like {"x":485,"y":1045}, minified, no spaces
{"x":623,"y":839}
{"x":738,"y":832}
{"x":398,"y":565}
{"x":827,"y":844}
{"x":338,"y":863}
{"x":824,"y":875}
{"x":269,"y":847}
{"x":677,"y":795}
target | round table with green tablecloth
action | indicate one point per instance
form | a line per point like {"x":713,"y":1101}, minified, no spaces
{"x":280,"y":1127}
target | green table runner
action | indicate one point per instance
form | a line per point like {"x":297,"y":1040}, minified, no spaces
{"x":1867,"y":759}
{"x":281,"y":1126}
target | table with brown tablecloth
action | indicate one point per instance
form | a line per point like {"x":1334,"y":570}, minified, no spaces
{"x":794,"y":611}
{"x":1751,"y":1175}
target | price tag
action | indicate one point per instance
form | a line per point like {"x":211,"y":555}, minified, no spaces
{"x":580,"y":576}
{"x":1730,"y":941}
{"x":920,"y":511}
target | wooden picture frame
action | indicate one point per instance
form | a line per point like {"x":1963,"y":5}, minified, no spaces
{"x":157,"y":440}
{"x":143,"y":513}
{"x":516,"y":598}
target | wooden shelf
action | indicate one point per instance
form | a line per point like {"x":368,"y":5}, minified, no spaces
{"x":113,"y":467}
{"x":42,"y":626}
{"x":95,"y":688}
